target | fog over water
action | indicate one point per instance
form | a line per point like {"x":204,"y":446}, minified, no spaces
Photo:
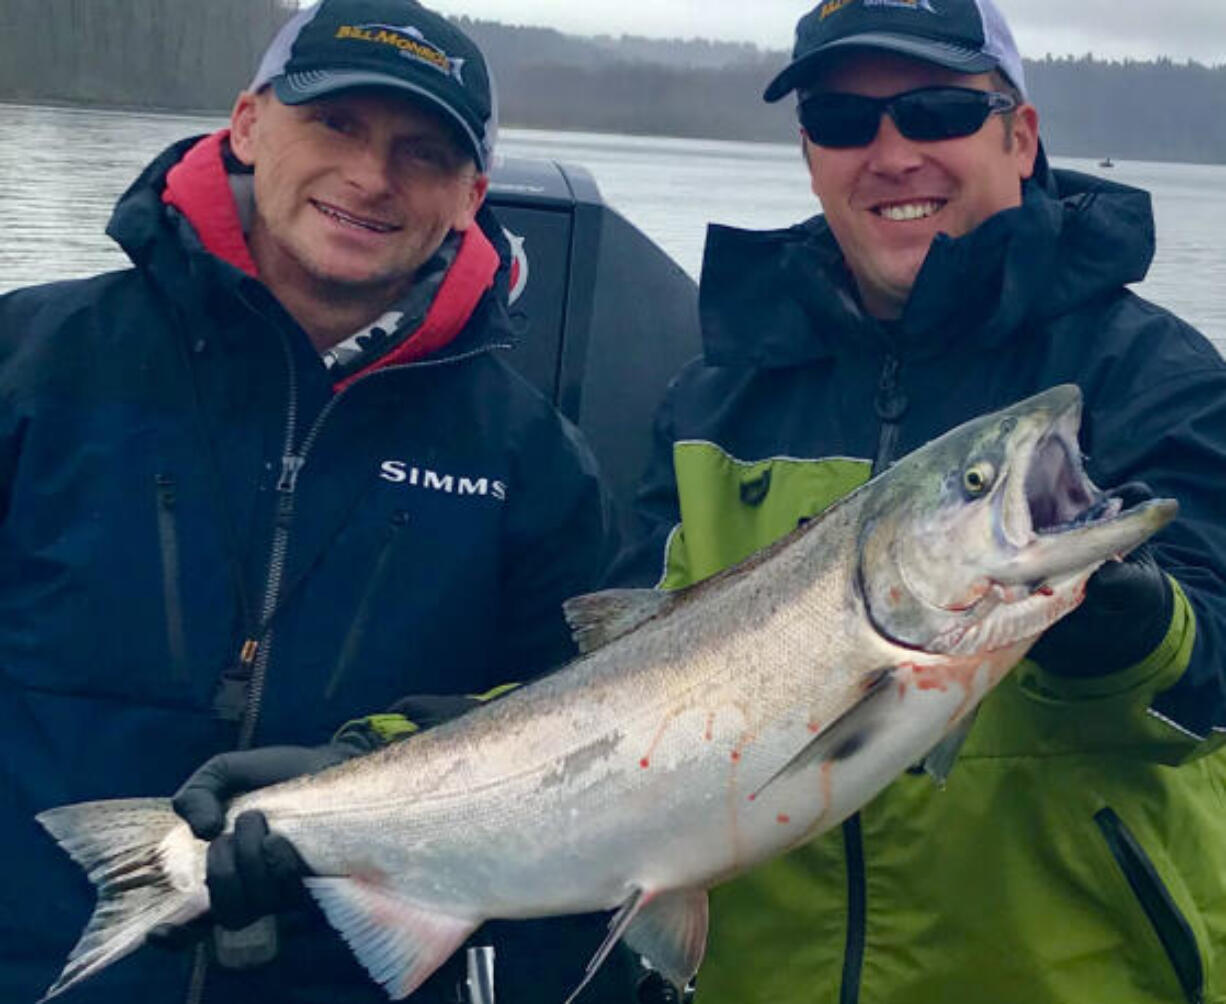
{"x":62,"y":169}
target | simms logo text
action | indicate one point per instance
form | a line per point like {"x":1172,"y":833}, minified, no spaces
{"x":401,"y":473}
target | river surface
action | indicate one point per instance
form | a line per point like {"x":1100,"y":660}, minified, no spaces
{"x":62,"y":169}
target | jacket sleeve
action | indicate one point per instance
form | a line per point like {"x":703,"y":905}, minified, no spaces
{"x":1165,"y":425}
{"x":560,"y":536}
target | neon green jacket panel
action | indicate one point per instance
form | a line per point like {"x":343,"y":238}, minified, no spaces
{"x":773,"y":496}
{"x":1055,"y":778}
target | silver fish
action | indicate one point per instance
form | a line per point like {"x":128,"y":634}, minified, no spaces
{"x":702,"y":732}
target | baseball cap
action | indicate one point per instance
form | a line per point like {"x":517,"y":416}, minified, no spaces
{"x":968,"y":36}
{"x":335,"y":45}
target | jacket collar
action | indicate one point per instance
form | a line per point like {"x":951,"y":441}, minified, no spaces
{"x":785,"y":297}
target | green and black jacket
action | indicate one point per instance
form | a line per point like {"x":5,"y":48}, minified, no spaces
{"x":1078,"y":853}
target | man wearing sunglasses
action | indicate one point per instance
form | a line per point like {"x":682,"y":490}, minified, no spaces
{"x":1078,"y":852}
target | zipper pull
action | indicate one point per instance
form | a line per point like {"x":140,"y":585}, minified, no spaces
{"x":290,"y":468}
{"x":230,"y":700}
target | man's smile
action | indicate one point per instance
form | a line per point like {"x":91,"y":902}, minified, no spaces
{"x":917,"y":209}
{"x":349,"y":219}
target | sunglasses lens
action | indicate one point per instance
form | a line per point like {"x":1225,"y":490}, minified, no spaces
{"x":840,"y":120}
{"x":940,"y":114}
{"x":925,"y":115}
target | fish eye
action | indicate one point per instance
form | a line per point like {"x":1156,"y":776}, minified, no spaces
{"x":978,"y":478}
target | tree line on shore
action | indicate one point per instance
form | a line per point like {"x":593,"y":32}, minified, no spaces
{"x":189,"y":54}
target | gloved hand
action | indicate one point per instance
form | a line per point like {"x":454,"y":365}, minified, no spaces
{"x":428,"y":710}
{"x":251,"y":872}
{"x":1124,"y":617}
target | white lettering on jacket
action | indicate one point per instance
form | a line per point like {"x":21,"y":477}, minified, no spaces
{"x":400,"y":472}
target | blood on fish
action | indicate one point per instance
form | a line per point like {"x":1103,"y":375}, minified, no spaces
{"x":783,"y":819}
{"x":645,"y":762}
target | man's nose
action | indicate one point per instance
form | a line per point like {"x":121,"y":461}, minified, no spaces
{"x":370,"y":169}
{"x":891,"y":152}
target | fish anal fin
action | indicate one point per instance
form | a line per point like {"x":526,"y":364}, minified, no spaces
{"x":671,"y":931}
{"x":596,"y":619}
{"x":398,"y":942}
{"x":847,"y":734}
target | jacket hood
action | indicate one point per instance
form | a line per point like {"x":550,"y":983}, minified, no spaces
{"x":179,"y":223}
{"x":785,"y":297}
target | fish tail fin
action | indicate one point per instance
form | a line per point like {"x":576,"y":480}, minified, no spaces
{"x":148,"y":869}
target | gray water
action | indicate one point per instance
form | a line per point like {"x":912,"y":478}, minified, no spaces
{"x":62,"y":169}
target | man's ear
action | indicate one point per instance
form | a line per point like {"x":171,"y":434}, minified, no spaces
{"x":1025,"y":127}
{"x":243,"y":124}
{"x":466,"y":215}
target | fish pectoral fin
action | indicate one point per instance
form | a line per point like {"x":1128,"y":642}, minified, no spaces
{"x":598,"y":618}
{"x":941,"y":758}
{"x":671,"y":931}
{"x":617,"y":927}
{"x":400,"y":943}
{"x":847,"y":734}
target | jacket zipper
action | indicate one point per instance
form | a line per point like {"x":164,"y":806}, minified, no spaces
{"x":1172,"y":927}
{"x":172,"y":600}
{"x":891,"y":405}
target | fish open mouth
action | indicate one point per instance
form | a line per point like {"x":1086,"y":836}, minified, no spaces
{"x":1059,"y":496}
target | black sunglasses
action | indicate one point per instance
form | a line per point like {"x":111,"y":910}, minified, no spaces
{"x":925,"y":114}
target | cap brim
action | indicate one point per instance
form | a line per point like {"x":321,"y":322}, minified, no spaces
{"x":299,"y":88}
{"x":952,"y":57}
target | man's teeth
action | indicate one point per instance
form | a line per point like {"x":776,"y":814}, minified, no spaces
{"x":336,"y":214}
{"x":909,"y":211}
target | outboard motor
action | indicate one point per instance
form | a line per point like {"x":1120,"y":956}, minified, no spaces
{"x":608,"y":318}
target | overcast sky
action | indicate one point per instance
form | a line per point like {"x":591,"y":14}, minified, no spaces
{"x":1141,"y":29}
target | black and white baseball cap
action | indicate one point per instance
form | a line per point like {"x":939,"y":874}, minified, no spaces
{"x":336,"y":45}
{"x":967,"y":36}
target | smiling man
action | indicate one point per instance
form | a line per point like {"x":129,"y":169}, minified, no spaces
{"x":1078,"y":852}
{"x":202,"y":547}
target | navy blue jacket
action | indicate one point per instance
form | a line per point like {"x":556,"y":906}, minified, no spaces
{"x":178,"y":474}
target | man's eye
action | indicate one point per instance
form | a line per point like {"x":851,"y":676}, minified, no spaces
{"x":429,"y":155}
{"x":336,"y":123}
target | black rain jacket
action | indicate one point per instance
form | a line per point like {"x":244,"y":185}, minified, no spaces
{"x":178,"y":475}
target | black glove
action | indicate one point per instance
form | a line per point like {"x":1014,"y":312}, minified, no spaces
{"x":1124,"y":617}
{"x":428,"y":710}
{"x":251,"y":872}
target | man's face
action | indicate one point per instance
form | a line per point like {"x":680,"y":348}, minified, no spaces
{"x":353,"y":192}
{"x":885,"y":202}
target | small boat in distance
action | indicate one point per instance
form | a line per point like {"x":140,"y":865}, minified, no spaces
{"x":1106,"y":162}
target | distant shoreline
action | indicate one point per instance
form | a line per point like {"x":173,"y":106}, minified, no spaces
{"x":223,"y":113}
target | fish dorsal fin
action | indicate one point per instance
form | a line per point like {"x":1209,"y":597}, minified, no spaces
{"x":847,"y":734}
{"x":671,"y":931}
{"x":598,"y":618}
{"x":400,"y":943}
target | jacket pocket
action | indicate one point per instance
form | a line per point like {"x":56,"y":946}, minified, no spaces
{"x":1168,"y":921}
{"x":356,"y":635}
{"x":172,"y":598}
